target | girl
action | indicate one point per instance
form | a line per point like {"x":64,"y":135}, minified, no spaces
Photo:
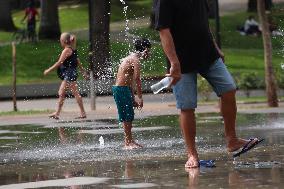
{"x":67,"y":72}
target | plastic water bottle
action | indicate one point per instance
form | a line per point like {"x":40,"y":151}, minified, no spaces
{"x":164,"y":83}
{"x":102,"y":141}
{"x":282,"y":66}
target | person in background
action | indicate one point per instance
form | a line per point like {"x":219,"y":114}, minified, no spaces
{"x":31,"y":15}
{"x":67,"y":71}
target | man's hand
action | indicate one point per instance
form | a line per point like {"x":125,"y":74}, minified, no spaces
{"x":175,"y":73}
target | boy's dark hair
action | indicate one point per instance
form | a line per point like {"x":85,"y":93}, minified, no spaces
{"x":142,"y":44}
{"x":31,"y":4}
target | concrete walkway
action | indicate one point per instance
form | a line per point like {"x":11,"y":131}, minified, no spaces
{"x":154,"y":105}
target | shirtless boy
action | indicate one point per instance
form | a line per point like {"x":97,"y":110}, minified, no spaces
{"x":128,"y":77}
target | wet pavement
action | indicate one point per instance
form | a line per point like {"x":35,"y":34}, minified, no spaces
{"x":70,"y":155}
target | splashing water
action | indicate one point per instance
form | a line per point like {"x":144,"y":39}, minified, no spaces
{"x":102,"y":141}
{"x":126,"y":29}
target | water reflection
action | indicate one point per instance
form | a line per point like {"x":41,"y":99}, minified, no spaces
{"x":71,"y":157}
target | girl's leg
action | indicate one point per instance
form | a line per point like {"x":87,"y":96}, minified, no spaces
{"x":61,"y":98}
{"x":75,"y":92}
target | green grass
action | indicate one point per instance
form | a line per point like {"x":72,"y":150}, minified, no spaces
{"x":33,"y":59}
{"x":76,"y":16}
{"x":28,"y":112}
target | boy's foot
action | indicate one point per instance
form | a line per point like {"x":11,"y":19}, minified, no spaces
{"x":53,"y":116}
{"x":192,"y":162}
{"x":132,"y":145}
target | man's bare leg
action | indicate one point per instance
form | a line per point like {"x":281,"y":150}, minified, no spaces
{"x":188,"y":126}
{"x":129,"y":142}
{"x":229,"y":112}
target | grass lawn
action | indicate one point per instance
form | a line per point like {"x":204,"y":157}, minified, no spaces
{"x":76,"y":16}
{"x":32,"y":59}
{"x":243,"y":53}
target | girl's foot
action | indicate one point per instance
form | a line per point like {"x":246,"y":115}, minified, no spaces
{"x":53,"y":116}
{"x":81,"y":117}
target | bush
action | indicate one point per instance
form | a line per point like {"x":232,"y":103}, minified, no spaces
{"x":204,"y":88}
{"x":248,"y":81}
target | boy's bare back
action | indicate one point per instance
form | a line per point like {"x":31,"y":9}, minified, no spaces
{"x":126,"y":70}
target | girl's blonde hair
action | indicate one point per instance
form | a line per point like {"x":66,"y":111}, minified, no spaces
{"x":69,"y":39}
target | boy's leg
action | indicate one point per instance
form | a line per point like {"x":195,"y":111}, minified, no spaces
{"x":129,"y":142}
{"x":75,"y":92}
{"x":225,"y":87}
{"x":186,"y":96}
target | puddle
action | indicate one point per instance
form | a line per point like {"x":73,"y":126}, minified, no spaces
{"x":71,"y":154}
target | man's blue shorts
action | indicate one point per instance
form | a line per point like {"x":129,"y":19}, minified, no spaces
{"x":124,"y":101}
{"x":218,"y":77}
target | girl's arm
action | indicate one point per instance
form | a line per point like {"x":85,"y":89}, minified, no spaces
{"x":65,"y":53}
{"x":82,"y":69}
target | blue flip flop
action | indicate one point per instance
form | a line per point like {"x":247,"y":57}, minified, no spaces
{"x":207,"y":163}
{"x":248,"y":146}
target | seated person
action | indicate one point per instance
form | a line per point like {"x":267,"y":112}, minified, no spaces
{"x":251,"y":27}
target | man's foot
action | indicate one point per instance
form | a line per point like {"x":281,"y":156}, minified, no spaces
{"x":236,"y":144}
{"x":192,"y":162}
{"x":132,"y":145}
{"x":53,"y":116}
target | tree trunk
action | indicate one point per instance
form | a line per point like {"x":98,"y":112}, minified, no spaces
{"x":271,"y":86}
{"x":6,"y":21}
{"x":101,"y":43}
{"x":252,"y":5}
{"x":212,"y":8}
{"x":49,"y":22}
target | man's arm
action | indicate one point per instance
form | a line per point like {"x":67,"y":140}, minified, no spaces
{"x":170,"y":51}
{"x":220,"y":52}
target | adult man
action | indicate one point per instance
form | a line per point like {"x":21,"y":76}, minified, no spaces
{"x":189,"y":45}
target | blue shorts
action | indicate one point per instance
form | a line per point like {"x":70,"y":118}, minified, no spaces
{"x":218,"y":77}
{"x":70,"y":74}
{"x":124,"y":101}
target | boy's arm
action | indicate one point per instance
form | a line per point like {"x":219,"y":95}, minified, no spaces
{"x":137,"y":79}
{"x":65,"y":53}
{"x":24,"y":18}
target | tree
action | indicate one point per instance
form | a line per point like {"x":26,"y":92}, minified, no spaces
{"x":100,"y":38}
{"x":6,"y":21}
{"x":271,"y":86}
{"x":49,"y":22}
{"x":252,"y":5}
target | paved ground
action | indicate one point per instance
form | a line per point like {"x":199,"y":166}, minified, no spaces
{"x":162,"y":104}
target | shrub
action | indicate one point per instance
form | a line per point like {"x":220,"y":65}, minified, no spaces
{"x":248,"y":81}
{"x":204,"y":88}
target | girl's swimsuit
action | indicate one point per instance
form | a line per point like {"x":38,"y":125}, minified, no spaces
{"x":68,"y":70}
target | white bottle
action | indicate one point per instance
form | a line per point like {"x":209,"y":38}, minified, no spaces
{"x":164,"y":83}
{"x":282,"y":66}
{"x":102,"y":141}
